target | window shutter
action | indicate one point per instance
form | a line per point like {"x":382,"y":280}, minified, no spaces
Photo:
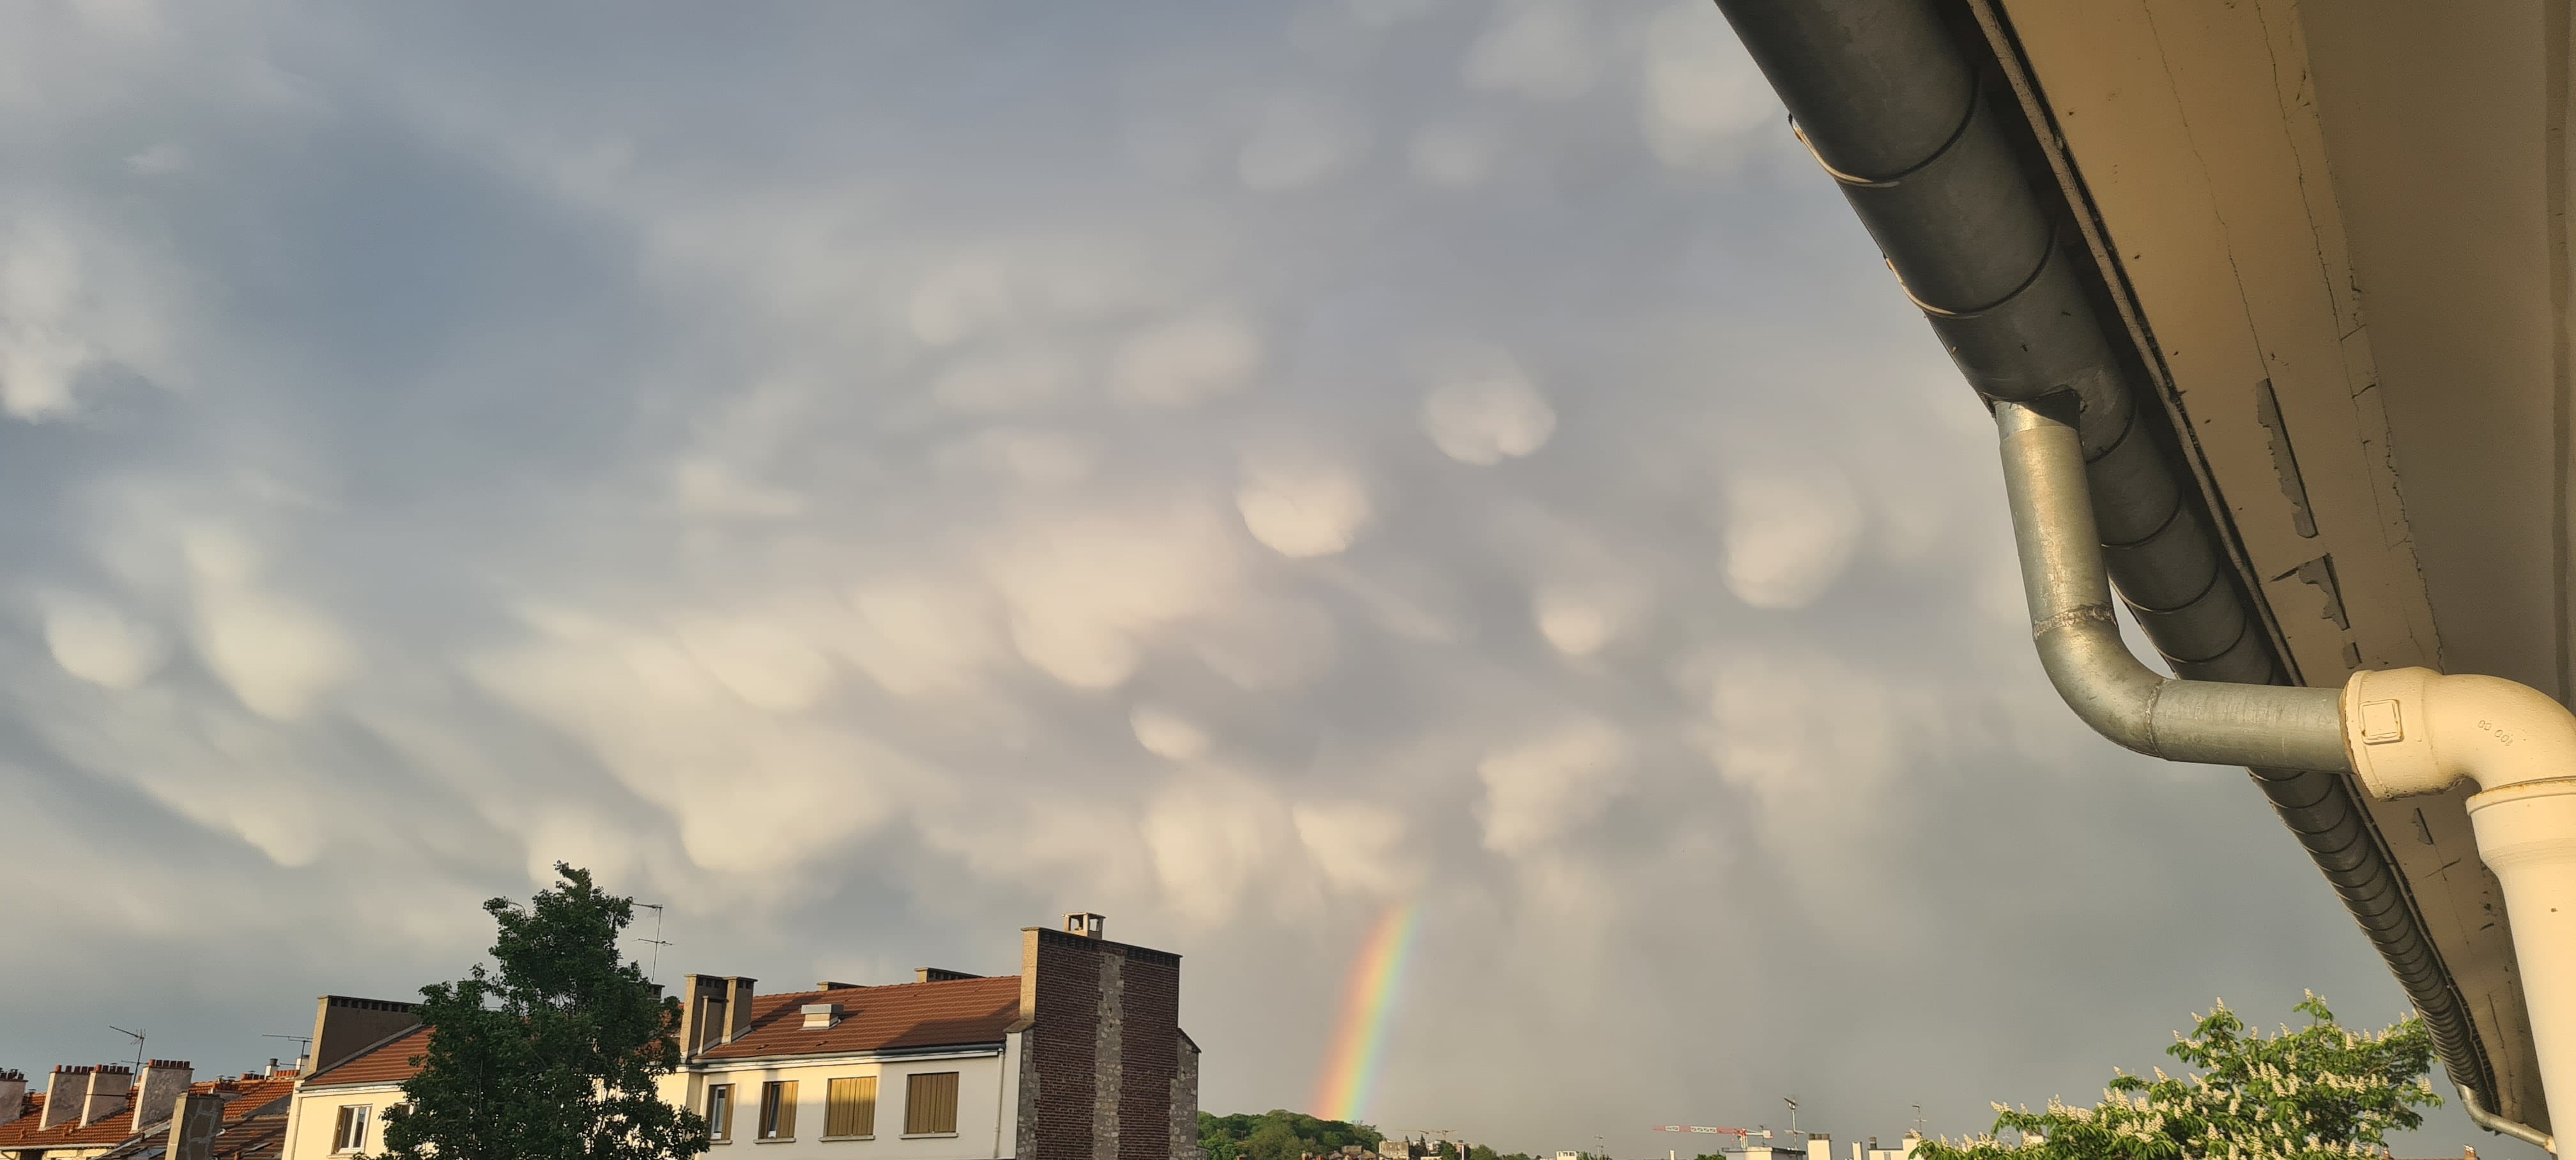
{"x":930,"y":1103}
{"x":852,"y":1101}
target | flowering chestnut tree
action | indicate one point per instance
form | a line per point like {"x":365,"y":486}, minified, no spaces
{"x":2320,"y":1091}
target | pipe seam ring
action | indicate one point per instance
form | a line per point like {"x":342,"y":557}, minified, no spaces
{"x":2077,"y":617}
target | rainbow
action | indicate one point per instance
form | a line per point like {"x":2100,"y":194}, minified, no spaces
{"x":1359,"y":1036}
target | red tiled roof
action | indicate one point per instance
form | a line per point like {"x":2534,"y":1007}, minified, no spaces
{"x":253,"y":1125}
{"x":950,"y":1013}
{"x":386,"y":1062}
{"x":23,"y":1132}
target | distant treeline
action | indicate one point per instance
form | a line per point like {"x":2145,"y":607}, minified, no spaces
{"x":1279,"y":1134}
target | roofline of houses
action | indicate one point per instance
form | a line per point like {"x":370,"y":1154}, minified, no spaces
{"x":983,"y":1050}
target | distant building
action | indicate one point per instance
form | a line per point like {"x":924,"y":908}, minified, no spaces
{"x":1079,"y":1055}
{"x":108,"y":1111}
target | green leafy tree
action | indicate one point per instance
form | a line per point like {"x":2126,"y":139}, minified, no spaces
{"x":2320,"y":1091}
{"x":553,"y":1056}
{"x":1232,"y":1137}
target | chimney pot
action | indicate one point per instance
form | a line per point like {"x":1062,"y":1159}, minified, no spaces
{"x":818,"y":1015}
{"x":1086,"y":924}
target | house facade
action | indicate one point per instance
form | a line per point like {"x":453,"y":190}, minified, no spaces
{"x":1079,"y":1055}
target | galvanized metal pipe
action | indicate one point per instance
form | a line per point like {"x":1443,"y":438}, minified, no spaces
{"x":2078,"y":634}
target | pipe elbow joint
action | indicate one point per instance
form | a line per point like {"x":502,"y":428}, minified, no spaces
{"x":2097,"y":676}
{"x":2415,"y":731}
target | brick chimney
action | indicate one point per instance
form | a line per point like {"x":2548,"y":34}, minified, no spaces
{"x":738,"y":1007}
{"x":343,"y":1026}
{"x":158,"y":1092}
{"x":13,"y":1094}
{"x":702,"y":1013}
{"x":109,"y":1084}
{"x":65,"y":1091}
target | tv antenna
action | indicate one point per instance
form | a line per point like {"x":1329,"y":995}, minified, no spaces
{"x":1793,"y":1115}
{"x":1918,"y":1119}
{"x":656,"y":942}
{"x":303,"y":1047}
{"x":137,"y":1037}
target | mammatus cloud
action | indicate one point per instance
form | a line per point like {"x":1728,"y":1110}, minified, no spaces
{"x":1484,"y":409}
{"x":1302,"y":509}
{"x":1788,"y":536}
{"x":1184,"y":360}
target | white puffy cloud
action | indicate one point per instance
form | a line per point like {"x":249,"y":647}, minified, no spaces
{"x":1082,"y":588}
{"x":766,"y":663}
{"x":95,"y":642}
{"x":1184,"y":360}
{"x":1214,"y":838}
{"x":277,"y":653}
{"x":1700,"y":93}
{"x":1578,"y":619}
{"x":1485,"y":410}
{"x":1302,"y":509}
{"x":920,"y":636}
{"x":1542,"y":49}
{"x":748,"y":789}
{"x":1167,"y":734}
{"x":1788,"y":535}
{"x":1806,"y":733}
{"x":42,"y":302}
{"x":1358,"y":846}
{"x":1541,"y":789}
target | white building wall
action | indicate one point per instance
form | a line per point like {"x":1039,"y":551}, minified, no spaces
{"x":315,"y":1115}
{"x":986,"y":1104}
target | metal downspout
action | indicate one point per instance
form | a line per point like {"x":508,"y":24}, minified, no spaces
{"x":1892,"y":109}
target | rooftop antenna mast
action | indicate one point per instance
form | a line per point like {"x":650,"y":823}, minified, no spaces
{"x":303,"y":1047}
{"x":1918,"y":1119}
{"x":1793,"y":1114}
{"x":137,"y":1037}
{"x":656,"y":941}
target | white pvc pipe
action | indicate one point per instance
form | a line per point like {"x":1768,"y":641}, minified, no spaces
{"x":2415,"y":731}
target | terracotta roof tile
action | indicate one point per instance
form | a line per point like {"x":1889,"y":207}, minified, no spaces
{"x":253,"y":1126}
{"x":23,"y":1132}
{"x":949,"y":1013}
{"x":386,"y":1062}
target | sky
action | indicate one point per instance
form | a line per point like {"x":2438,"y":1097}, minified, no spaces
{"x":870,"y":478}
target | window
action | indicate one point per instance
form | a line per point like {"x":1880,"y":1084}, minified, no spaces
{"x":351,"y":1134}
{"x":778,"y":1110}
{"x":850,"y":1107}
{"x":720,"y":1112}
{"x":930,"y":1104}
